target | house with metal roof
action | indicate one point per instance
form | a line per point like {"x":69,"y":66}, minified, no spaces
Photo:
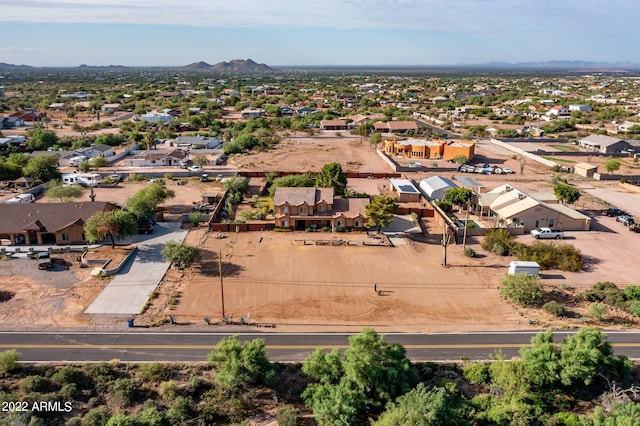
{"x":604,"y":144}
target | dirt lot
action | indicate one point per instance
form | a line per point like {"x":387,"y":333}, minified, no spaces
{"x":302,"y":153}
{"x":276,"y":278}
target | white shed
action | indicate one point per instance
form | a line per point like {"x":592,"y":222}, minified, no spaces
{"x":435,"y":187}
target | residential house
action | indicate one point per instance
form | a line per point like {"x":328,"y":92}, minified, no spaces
{"x":603,"y":144}
{"x":156,"y":117}
{"x":168,"y":94}
{"x":100,"y":150}
{"x":395,"y":126}
{"x":48,"y":223}
{"x":11,"y":122}
{"x":252,"y":113}
{"x":157,"y":158}
{"x":425,"y":149}
{"x":333,"y":125}
{"x":315,"y":208}
{"x":582,"y":108}
{"x":514,"y":208}
{"x":110,"y":107}
{"x":59,"y":106}
{"x":196,"y":142}
{"x":28,"y":115}
{"x":559,"y":111}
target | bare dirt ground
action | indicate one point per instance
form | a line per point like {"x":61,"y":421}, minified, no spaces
{"x":276,"y":278}
{"x":303,"y":153}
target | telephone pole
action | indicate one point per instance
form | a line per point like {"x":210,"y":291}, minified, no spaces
{"x":221,"y":283}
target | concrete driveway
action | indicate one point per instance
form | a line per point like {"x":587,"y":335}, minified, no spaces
{"x":128,"y":292}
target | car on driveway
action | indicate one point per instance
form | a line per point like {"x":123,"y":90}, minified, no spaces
{"x":613,"y":212}
{"x":625,"y":219}
{"x":195,"y":168}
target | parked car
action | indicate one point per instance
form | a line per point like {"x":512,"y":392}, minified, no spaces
{"x":635,"y":227}
{"x":195,"y":168}
{"x":625,"y":219}
{"x":44,"y":264}
{"x":204,"y":178}
{"x":497,"y":170}
{"x":613,"y":212}
{"x":145,"y":227}
{"x":507,"y":171}
{"x":40,"y":255}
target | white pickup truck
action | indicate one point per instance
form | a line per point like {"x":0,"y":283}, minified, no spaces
{"x":546,"y":233}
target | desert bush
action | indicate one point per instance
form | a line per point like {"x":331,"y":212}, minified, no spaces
{"x":598,"y":311}
{"x":499,"y":239}
{"x":34,"y":384}
{"x":71,"y":375}
{"x":604,"y":291}
{"x":521,"y":289}
{"x":96,"y":417}
{"x":476,"y":373}
{"x":469,"y":252}
{"x":287,"y":416}
{"x":123,"y":391}
{"x":153,"y":372}
{"x":554,"y":308}
{"x":180,"y":411}
{"x":9,"y":360}
{"x":551,"y":255}
{"x":632,"y":292}
{"x":102,"y":373}
{"x":169,"y":390}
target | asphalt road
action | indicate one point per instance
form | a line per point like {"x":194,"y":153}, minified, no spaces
{"x":179,"y":346}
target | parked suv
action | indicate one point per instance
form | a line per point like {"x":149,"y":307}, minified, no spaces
{"x":625,"y":219}
{"x":613,"y":212}
{"x":145,"y":227}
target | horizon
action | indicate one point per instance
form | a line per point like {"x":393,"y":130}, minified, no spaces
{"x":68,"y":33}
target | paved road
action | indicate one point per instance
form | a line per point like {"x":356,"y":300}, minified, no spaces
{"x":128,"y":292}
{"x":193,"y":347}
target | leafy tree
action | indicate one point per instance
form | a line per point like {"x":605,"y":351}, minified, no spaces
{"x":586,"y":354}
{"x":64,"y":193}
{"x":324,"y":367}
{"x":122,"y":420}
{"x":375,"y":138}
{"x":241,"y":364}
{"x":458,"y":196}
{"x":380,"y":212}
{"x":304,"y":180}
{"x":334,"y":405}
{"x":109,"y":139}
{"x":97,"y":162}
{"x":84,"y":166}
{"x":332,"y":176}
{"x":612,"y":165}
{"x":521,"y":289}
{"x":143,"y":204}
{"x":566,"y":193}
{"x":40,"y":140}
{"x":112,"y":224}
{"x":460,"y":159}
{"x":42,"y":167}
{"x":181,"y":254}
{"x":423,"y":407}
{"x":238,"y":184}
{"x":541,"y":361}
{"x":200,"y":160}
{"x":9,"y":170}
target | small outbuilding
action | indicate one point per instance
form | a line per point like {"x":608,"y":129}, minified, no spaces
{"x":435,"y":187}
{"x":586,"y":169}
{"x":405,"y":190}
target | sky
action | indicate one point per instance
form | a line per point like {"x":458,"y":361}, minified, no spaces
{"x":317,"y":32}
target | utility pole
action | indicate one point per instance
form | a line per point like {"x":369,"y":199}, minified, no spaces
{"x":221,"y":284}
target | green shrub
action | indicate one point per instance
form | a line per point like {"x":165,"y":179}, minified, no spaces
{"x":469,"y":252}
{"x":521,"y":289}
{"x":9,"y":360}
{"x":136,"y":177}
{"x":497,"y":238}
{"x":287,"y":416}
{"x":476,"y":373}
{"x":123,"y":391}
{"x":633,"y":307}
{"x":102,"y":373}
{"x":606,"y":292}
{"x":180,"y":411}
{"x":34,"y":384}
{"x":96,"y":417}
{"x":598,"y":311}
{"x":153,"y":372}
{"x":169,"y":390}
{"x":70,"y":375}
{"x":632,"y":292}
{"x":554,"y":308}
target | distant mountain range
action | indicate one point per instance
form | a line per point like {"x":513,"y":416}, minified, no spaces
{"x":248,"y":66}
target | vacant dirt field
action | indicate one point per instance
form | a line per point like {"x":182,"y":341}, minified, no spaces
{"x":276,"y":278}
{"x":303,"y":154}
